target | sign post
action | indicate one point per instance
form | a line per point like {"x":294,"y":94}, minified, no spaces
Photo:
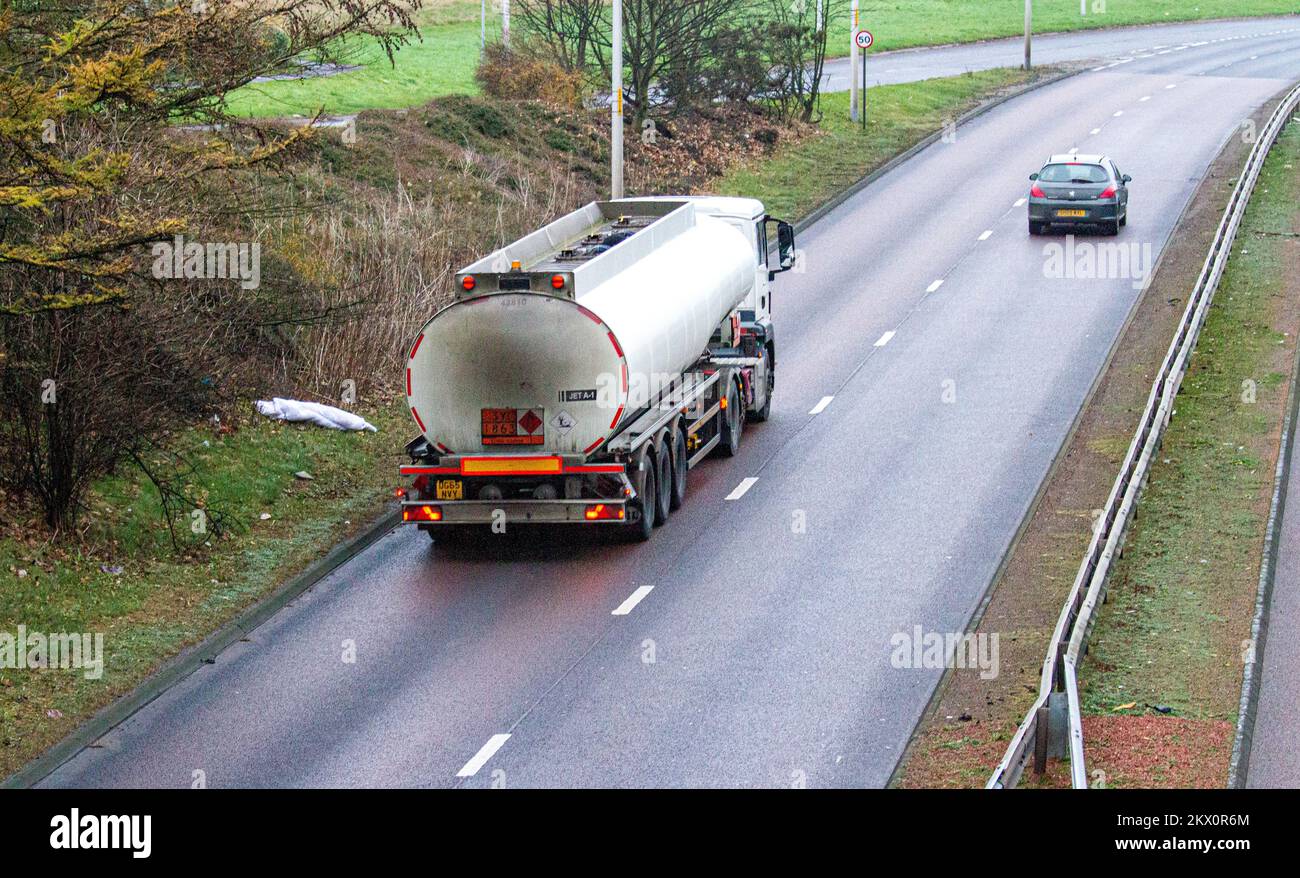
{"x":863,"y":40}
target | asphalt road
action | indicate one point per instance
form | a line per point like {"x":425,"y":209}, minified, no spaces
{"x":761,"y":655}
{"x":1118,"y":45}
{"x":1273,"y":763}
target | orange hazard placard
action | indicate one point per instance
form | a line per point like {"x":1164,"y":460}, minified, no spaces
{"x":513,"y":426}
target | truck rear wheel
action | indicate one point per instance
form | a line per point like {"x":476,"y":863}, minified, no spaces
{"x":679,"y":469}
{"x":643,"y":528}
{"x":733,"y":423}
{"x":762,"y":414}
{"x":663,"y":483}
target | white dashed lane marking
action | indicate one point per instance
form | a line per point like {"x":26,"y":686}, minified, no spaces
{"x":821,"y":406}
{"x":740,"y":490}
{"x":984,"y":235}
{"x":483,"y":755}
{"x":884,"y":339}
{"x":633,"y":599}
{"x":930,"y":289}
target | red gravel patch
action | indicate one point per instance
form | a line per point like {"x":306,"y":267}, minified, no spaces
{"x":1157,"y":751}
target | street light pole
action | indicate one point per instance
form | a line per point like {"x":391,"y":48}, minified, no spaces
{"x":853,"y":64}
{"x":616,"y":105}
{"x":1029,"y":30}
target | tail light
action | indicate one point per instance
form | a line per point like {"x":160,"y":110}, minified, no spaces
{"x":467,"y":282}
{"x":557,"y":281}
{"x":1036,"y":191}
{"x":421,"y":513}
{"x":603,"y":512}
{"x":1108,"y":193}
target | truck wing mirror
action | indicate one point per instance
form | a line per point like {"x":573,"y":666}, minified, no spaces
{"x":785,"y":245}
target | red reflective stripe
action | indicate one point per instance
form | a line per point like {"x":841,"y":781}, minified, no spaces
{"x":428,"y":470}
{"x":416,"y":347}
{"x":596,"y":467}
{"x":591,"y":316}
{"x":417,"y":419}
{"x":408,"y":380}
{"x":617,"y":415}
{"x":589,"y":448}
{"x":443,"y":448}
{"x":617,"y":349}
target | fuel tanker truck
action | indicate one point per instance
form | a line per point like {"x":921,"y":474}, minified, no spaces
{"x":583,"y":370}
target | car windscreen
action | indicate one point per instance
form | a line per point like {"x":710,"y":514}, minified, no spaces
{"x":1073,"y":173}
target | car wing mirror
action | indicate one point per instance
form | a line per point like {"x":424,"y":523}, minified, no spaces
{"x":1127,"y":179}
{"x":1033,"y":176}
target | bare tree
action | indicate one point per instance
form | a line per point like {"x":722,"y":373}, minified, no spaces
{"x":797,"y":49}
{"x":666,"y":40}
{"x":568,"y":28}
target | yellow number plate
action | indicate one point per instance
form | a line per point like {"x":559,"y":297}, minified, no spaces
{"x":450,"y":489}
{"x":1072,"y":213}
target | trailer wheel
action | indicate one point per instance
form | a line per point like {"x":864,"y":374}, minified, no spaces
{"x":733,"y":423}
{"x":663,"y":482}
{"x":766,"y":411}
{"x":679,"y":468}
{"x":643,"y":528}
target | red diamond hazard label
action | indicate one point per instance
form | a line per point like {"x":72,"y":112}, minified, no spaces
{"x":529,"y":421}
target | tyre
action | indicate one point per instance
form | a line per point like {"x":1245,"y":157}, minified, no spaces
{"x":1112,"y":227}
{"x":663,"y":483}
{"x":733,"y":423}
{"x":765,"y":412}
{"x":642,"y":529}
{"x":1123,"y":221}
{"x":679,"y":469}
{"x":1035,"y":228}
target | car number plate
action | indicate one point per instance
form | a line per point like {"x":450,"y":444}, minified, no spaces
{"x":449,"y":489}
{"x":1072,"y":213}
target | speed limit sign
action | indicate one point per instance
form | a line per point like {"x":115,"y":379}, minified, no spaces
{"x":864,"y":39}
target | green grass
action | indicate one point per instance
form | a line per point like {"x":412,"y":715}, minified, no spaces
{"x":899,"y":24}
{"x":160,"y":602}
{"x":801,"y":177}
{"x":1182,"y":596}
{"x":443,"y":61}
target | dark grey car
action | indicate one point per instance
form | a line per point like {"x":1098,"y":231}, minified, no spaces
{"x":1078,"y":190}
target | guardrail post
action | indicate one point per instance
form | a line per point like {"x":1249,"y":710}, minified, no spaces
{"x":1058,"y":742}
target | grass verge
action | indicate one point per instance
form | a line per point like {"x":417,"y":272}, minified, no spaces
{"x":443,"y":61}
{"x":125,"y":581}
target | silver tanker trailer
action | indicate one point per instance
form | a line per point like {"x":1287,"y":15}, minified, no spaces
{"x":584,"y":369}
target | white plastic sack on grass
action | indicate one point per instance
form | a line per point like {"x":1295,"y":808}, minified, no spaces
{"x":320,"y":415}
